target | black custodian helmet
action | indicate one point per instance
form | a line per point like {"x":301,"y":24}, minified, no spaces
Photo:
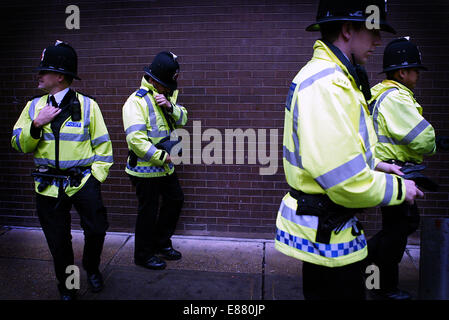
{"x":402,"y":53}
{"x":61,"y":58}
{"x":349,"y":10}
{"x":164,"y":69}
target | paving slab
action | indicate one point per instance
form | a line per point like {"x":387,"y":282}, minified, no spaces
{"x":206,"y":254}
{"x":25,"y":279}
{"x":282,"y":277}
{"x":31,"y":244}
{"x":133,"y":283}
{"x":24,"y":244}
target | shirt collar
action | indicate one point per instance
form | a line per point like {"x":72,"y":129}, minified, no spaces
{"x":60,"y":95}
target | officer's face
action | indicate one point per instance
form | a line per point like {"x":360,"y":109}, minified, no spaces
{"x":363,"y":42}
{"x":409,"y":77}
{"x":48,"y":80}
{"x":161,"y":89}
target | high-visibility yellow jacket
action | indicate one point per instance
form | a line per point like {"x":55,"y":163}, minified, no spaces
{"x":145,"y":125}
{"x":328,"y":149}
{"x":402,"y":131}
{"x":83,"y":143}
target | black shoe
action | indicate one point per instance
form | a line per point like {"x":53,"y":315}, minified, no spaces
{"x":152,"y":262}
{"x":95,"y":281}
{"x":170,"y":253}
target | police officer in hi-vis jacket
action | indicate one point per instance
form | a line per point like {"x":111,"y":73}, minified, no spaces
{"x":328,"y":155}
{"x":405,"y":137}
{"x":66,"y":133}
{"x":150,"y":115}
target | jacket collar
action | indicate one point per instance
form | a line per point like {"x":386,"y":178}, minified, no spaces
{"x":147,"y":86}
{"x":323,"y":52}
{"x":395,"y":84}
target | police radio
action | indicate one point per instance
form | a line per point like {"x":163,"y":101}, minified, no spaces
{"x":76,"y":109}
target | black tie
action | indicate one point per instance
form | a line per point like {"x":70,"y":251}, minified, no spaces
{"x":53,"y":102}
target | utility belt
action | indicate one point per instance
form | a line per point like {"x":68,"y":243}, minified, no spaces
{"x":47,"y":175}
{"x":412,"y":171}
{"x":331,"y":216}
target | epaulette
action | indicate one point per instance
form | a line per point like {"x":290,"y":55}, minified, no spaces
{"x":38,"y":96}
{"x":85,"y":95}
{"x":141,"y":93}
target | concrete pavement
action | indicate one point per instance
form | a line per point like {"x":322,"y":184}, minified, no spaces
{"x":211,"y":269}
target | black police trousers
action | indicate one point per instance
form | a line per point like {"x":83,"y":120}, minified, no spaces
{"x":339,"y":283}
{"x":154,"y":225}
{"x":55,"y":219}
{"x":386,"y":248}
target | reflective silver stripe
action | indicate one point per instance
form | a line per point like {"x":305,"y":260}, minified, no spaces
{"x":302,"y":220}
{"x":32,"y":109}
{"x":64,"y":164}
{"x":388,"y":190}
{"x":100,"y":140}
{"x":16,"y":133}
{"x":363,"y":131}
{"x":64,"y":136}
{"x":86,"y":112}
{"x":150,"y":153}
{"x":136,"y":127}
{"x":376,"y":109}
{"x":294,"y":157}
{"x":323,"y":73}
{"x":341,"y":173}
{"x":291,"y":158}
{"x":385,"y":139}
{"x":420,"y":127}
{"x":180,"y":117}
{"x":416,"y":131}
{"x":155,"y":132}
{"x":72,"y":163}
{"x":108,"y":159}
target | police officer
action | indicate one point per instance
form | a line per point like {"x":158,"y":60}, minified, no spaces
{"x":404,"y":138}
{"x":329,"y":159}
{"x":150,"y":115}
{"x":73,"y":153}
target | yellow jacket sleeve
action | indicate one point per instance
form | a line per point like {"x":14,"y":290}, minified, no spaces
{"x":400,"y":116}
{"x":179,"y":113}
{"x":22,"y":140}
{"x":101,"y":144}
{"x":331,"y":150}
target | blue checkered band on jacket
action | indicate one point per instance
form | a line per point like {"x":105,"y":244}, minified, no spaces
{"x":332,"y":250}
{"x":149,"y":169}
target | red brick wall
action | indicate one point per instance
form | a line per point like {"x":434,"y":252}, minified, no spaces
{"x":237,"y":61}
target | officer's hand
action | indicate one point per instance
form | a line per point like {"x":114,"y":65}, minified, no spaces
{"x":46,"y":115}
{"x":168,"y":159}
{"x":412,"y":191}
{"x":389,"y":168}
{"x":162,"y":101}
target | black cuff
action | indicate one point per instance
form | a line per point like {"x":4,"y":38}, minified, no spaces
{"x":35,"y":132}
